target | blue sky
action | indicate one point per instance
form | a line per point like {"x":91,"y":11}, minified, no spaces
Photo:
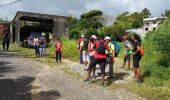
{"x":77,"y":7}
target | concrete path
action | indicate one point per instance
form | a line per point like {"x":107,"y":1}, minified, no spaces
{"x":24,"y":79}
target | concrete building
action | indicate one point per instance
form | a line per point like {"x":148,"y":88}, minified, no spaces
{"x":150,"y":24}
{"x":25,"y":22}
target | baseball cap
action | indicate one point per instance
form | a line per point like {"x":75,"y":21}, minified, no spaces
{"x":82,"y":35}
{"x":107,"y":38}
{"x":94,"y":37}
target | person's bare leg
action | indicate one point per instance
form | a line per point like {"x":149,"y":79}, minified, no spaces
{"x":129,"y":65}
{"x":135,"y":72}
{"x":138,"y":74}
{"x":124,"y":63}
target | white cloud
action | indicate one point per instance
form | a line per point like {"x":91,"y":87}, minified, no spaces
{"x":77,"y":7}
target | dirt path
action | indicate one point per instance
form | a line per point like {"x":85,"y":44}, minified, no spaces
{"x":24,"y":79}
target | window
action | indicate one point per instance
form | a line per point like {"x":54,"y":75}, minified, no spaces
{"x":154,"y":22}
{"x":147,"y":23}
{"x":146,"y":29}
{"x":154,"y":28}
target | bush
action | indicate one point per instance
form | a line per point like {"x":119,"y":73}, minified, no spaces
{"x":74,"y":34}
{"x":156,"y":60}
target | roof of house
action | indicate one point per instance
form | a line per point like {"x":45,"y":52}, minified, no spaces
{"x":153,"y":18}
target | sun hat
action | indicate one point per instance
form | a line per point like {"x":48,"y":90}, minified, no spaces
{"x":82,"y":36}
{"x":107,"y":38}
{"x":94,"y":37}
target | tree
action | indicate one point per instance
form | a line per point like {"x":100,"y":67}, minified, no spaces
{"x":136,"y":23}
{"x":167,"y":13}
{"x":145,"y":13}
{"x":92,"y":19}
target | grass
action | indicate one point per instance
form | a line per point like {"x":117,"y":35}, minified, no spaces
{"x":152,"y":88}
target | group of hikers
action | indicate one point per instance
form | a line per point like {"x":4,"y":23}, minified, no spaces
{"x":94,"y":50}
{"x":40,"y":48}
{"x":98,"y":50}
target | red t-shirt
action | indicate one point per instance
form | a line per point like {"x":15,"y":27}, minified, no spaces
{"x":58,"y":46}
{"x":97,"y":55}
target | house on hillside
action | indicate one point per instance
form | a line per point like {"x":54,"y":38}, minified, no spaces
{"x":150,"y":24}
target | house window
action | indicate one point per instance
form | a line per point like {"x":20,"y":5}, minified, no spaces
{"x":147,"y":24}
{"x":154,"y":28}
{"x":146,"y":29}
{"x":154,"y":22}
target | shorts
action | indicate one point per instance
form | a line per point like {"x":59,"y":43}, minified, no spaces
{"x":136,"y":60}
{"x":101,"y":62}
{"x":127,"y":58}
{"x":85,"y":56}
{"x":92,"y":59}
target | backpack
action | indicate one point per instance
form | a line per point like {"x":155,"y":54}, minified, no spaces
{"x":101,"y":48}
{"x":142,"y":51}
{"x":117,"y":48}
{"x":85,"y":44}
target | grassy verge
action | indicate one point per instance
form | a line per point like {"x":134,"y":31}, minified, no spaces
{"x":147,"y":89}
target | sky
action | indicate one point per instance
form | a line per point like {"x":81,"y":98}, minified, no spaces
{"x":77,"y":7}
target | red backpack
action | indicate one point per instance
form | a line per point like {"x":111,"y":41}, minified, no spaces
{"x":142,"y":51}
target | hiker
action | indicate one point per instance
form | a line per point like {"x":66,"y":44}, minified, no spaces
{"x":80,"y":51}
{"x":42,"y":44}
{"x":136,"y":56}
{"x":110,"y":54}
{"x":36,"y":46}
{"x":5,"y":40}
{"x":84,"y":50}
{"x":100,"y":58}
{"x":91,"y":51}
{"x":58,"y":51}
{"x":127,"y":51}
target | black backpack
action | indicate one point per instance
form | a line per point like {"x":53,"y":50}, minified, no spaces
{"x":85,"y":44}
{"x":101,"y":48}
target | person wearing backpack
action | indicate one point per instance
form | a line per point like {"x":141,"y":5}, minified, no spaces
{"x":127,"y":51}
{"x":42,"y":44}
{"x":111,"y":55}
{"x":36,"y":46}
{"x":100,"y":58}
{"x":80,"y":51}
{"x":84,"y":49}
{"x":58,"y":50}
{"x":136,"y":56}
{"x":5,"y":40}
{"x":91,"y":51}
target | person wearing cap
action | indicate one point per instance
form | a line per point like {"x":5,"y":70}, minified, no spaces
{"x":128,"y":51}
{"x":42,"y":43}
{"x":99,"y":58}
{"x":5,"y":39}
{"x":91,"y":51}
{"x":110,"y":54}
{"x":80,"y":51}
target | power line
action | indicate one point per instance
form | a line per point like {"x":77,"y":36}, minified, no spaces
{"x":10,"y":3}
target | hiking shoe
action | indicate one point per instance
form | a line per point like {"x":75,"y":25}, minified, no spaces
{"x":94,"y":76}
{"x":102,"y":85}
{"x":85,"y":69}
{"x":138,"y":82}
{"x":87,"y":80}
{"x":109,"y":78}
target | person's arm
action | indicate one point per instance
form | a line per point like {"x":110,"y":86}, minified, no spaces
{"x":113,"y":53}
{"x":138,"y":49}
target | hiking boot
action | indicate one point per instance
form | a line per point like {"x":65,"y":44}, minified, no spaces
{"x":138,"y":82}
{"x":87,"y":80}
{"x":102,"y":85}
{"x":94,"y":76}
